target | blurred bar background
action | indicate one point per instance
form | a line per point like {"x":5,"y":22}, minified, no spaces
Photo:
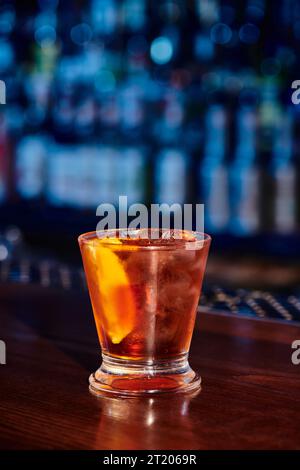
{"x":169,"y":101}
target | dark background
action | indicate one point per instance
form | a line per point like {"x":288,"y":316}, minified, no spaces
{"x":170,"y":101}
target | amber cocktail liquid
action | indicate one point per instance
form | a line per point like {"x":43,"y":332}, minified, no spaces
{"x":144,"y":288}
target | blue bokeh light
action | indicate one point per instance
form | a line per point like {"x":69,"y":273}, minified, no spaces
{"x":161,"y":50}
{"x":6,"y":55}
{"x":105,"y":81}
{"x":81,"y":34}
{"x":220,"y":33}
{"x":45,"y":36}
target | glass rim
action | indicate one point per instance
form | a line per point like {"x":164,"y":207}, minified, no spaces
{"x":202,"y":239}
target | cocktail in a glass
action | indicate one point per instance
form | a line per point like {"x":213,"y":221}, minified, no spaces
{"x":144,"y":287}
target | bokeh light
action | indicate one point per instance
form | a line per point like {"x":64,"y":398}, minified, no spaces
{"x":3,"y":252}
{"x":45,"y":36}
{"x":81,"y":34}
{"x":6,"y":55}
{"x":161,"y":50}
{"x":105,"y":81}
{"x":220,"y":33}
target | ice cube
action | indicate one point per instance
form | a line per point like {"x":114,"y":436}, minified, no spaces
{"x":168,"y":234}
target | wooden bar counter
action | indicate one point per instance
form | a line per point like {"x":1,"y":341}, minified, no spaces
{"x":250,"y":397}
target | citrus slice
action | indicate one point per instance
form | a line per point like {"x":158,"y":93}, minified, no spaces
{"x":113,"y":301}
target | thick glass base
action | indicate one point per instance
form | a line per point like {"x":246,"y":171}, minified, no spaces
{"x":127,"y":378}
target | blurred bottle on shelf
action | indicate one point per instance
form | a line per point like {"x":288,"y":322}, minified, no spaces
{"x":62,"y":177}
{"x":104,"y":16}
{"x":208,"y":11}
{"x":213,"y":175}
{"x":245,"y":176}
{"x":84,"y":113}
{"x":269,"y":117}
{"x":63,"y":109}
{"x":132,"y":167}
{"x":31,"y":157}
{"x":284,"y":175}
{"x":171,"y":162}
{"x":170,"y":176}
{"x":133,"y":13}
{"x":5,"y":160}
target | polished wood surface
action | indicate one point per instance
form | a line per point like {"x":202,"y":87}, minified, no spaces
{"x":250,"y":398}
